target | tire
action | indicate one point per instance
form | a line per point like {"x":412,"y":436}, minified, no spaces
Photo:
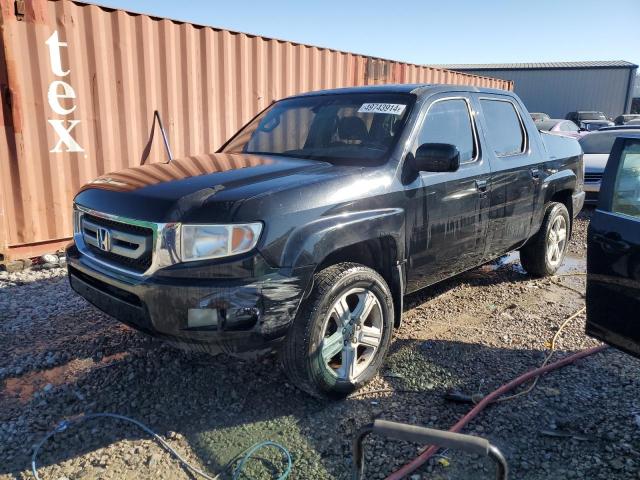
{"x":539,"y":256}
{"x":314,"y":355}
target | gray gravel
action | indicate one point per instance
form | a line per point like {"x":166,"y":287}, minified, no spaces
{"x":59,"y":357}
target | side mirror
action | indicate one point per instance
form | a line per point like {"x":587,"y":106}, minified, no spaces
{"x":437,"y":157}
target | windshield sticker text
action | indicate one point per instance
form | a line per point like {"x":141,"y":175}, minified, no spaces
{"x":391,"y":108}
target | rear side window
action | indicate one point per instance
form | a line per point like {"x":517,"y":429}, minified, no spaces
{"x":449,"y":121}
{"x":505,"y":131}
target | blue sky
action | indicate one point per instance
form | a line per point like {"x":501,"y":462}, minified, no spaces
{"x":429,"y":32}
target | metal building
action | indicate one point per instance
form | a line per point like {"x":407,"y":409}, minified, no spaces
{"x":561,"y":87}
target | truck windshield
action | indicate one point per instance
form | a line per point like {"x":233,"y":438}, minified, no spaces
{"x":592,"y":116}
{"x":357,"y":127}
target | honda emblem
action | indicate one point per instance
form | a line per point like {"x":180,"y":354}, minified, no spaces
{"x":104,"y":239}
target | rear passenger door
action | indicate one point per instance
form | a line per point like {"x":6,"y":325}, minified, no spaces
{"x":515,"y":177}
{"x":613,"y":252}
{"x":447,"y":212}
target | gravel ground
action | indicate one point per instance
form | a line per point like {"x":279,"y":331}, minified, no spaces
{"x":60,"y":357}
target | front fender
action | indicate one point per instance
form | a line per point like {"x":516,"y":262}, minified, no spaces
{"x":310,"y":244}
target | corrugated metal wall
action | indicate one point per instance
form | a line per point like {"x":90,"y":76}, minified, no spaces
{"x":80,"y":84}
{"x":560,"y":91}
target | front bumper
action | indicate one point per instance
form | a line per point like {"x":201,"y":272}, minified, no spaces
{"x":251,"y":314}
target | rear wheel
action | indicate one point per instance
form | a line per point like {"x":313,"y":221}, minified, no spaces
{"x":544,"y":253}
{"x":342,"y":332}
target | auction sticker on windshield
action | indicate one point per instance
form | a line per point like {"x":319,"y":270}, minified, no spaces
{"x":392,"y":108}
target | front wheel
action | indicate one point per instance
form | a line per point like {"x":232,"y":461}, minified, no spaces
{"x":544,"y":253}
{"x":341,"y":333}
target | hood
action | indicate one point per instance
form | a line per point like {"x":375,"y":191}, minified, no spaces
{"x":595,"y":162}
{"x":169,"y":192}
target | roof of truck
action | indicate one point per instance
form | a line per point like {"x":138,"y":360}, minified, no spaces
{"x":414,"y":88}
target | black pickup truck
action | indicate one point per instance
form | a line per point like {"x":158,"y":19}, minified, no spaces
{"x":305,"y":230}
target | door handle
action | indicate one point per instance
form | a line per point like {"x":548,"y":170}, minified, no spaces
{"x":535,"y":173}
{"x":481,"y":186}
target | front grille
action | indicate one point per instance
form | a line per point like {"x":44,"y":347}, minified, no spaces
{"x":130,"y":246}
{"x":592,"y":177}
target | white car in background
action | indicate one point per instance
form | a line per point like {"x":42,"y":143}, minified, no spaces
{"x":597,"y":147}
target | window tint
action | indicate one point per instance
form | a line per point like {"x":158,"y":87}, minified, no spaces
{"x":626,"y":195}
{"x":448,"y":121}
{"x":503,"y":125}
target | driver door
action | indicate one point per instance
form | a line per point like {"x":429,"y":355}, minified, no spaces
{"x":613,"y":252}
{"x":447,"y":211}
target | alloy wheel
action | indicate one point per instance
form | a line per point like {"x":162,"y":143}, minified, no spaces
{"x":556,"y":241}
{"x":352,"y":333}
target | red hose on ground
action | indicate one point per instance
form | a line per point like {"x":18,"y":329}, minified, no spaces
{"x":416,"y":463}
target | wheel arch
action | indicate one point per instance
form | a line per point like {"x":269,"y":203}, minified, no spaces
{"x":381,"y":255}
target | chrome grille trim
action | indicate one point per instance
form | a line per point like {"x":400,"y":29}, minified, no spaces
{"x":142,"y":243}
{"x":164,"y":243}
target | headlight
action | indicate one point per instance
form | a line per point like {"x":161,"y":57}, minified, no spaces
{"x":200,"y":242}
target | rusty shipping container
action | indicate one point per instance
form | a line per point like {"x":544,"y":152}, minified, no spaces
{"x":79,"y":85}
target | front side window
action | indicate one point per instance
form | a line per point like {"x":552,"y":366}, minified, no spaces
{"x":449,"y":121}
{"x":353,"y":127}
{"x":626,"y":194}
{"x":504,"y":128}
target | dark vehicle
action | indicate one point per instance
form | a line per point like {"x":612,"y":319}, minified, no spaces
{"x":560,"y":127}
{"x":539,"y":117}
{"x":306,"y":229}
{"x":597,"y":147}
{"x":613,"y":251}
{"x":579,"y":117}
{"x":624,"y":119}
